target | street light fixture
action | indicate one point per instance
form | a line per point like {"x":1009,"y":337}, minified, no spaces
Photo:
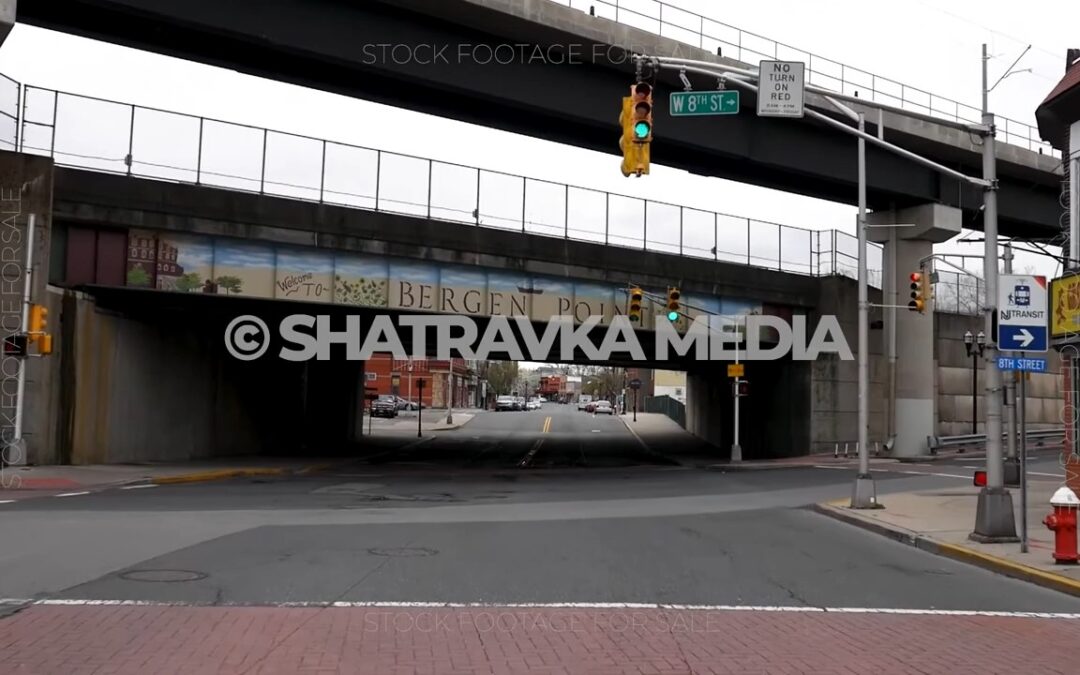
{"x":975,"y":347}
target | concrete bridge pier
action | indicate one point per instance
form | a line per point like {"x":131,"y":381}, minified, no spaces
{"x":908,"y":246}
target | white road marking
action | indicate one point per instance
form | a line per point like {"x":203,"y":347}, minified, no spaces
{"x":823,"y":466}
{"x":63,"y":602}
{"x":138,"y":487}
{"x":72,"y":494}
{"x":596,"y":431}
{"x":1051,"y":475}
{"x":7,"y":501}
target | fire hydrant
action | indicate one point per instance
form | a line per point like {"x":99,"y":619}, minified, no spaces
{"x":1063,"y":523}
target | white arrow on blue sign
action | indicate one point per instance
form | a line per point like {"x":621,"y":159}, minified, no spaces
{"x":1022,"y":313}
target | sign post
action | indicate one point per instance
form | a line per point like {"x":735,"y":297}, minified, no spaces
{"x":420,"y":415}
{"x":371,"y":395}
{"x":635,"y":384}
{"x":702,"y":103}
{"x":1023,"y":326}
{"x":781,"y":86}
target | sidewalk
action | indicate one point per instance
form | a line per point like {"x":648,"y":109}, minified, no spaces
{"x":940,"y":520}
{"x":15,"y":480}
{"x":663,"y":436}
{"x":433,"y":420}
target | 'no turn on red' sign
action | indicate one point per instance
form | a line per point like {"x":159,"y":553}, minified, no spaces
{"x":781,"y":85}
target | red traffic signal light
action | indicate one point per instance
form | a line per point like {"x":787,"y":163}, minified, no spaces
{"x":918,"y":292}
{"x":979,"y":479}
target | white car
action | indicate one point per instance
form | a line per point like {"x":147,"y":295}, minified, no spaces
{"x":604,"y":408}
{"x":583,"y":402}
{"x":532,"y":405}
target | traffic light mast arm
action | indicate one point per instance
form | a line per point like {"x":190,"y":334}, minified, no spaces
{"x":714,"y":71}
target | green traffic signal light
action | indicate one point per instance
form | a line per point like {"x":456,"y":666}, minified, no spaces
{"x":673,"y":316}
{"x":641,"y":130}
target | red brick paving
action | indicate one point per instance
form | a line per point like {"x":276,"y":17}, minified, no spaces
{"x":164,"y":640}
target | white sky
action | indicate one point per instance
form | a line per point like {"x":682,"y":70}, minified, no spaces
{"x":913,"y":42}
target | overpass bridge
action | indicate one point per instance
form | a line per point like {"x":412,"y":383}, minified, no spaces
{"x":327,"y":45}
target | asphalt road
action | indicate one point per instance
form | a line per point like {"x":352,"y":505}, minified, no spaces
{"x":549,"y":506}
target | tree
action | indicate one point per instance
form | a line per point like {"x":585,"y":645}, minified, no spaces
{"x":605,"y":383}
{"x":137,"y":276}
{"x":230,"y":283}
{"x":189,"y":282}
{"x":501,"y":375}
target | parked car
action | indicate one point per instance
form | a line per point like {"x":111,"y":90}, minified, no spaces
{"x":384,"y":406}
{"x":506,"y":403}
{"x":583,"y":403}
{"x":532,"y":405}
{"x":590,"y":407}
{"x":403,"y":404}
{"x":521,"y":403}
{"x":603,"y":408}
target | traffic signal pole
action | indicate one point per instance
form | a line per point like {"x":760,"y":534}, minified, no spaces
{"x":20,"y":402}
{"x":992,"y":520}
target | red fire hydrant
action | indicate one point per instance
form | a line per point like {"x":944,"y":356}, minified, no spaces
{"x":1063,"y":523}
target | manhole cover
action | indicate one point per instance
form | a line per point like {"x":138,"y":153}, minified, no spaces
{"x":403,"y":552}
{"x":163,"y":576}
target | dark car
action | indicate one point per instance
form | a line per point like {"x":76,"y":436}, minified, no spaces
{"x":384,"y":406}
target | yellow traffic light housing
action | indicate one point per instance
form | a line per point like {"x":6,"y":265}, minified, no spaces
{"x":39,"y":316}
{"x":636,"y":121}
{"x":673,"y":304}
{"x":918,"y":292}
{"x":634,"y":310}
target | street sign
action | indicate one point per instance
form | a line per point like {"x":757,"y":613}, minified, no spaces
{"x":635,"y":384}
{"x":736,"y":369}
{"x":698,"y":103}
{"x":1022,"y":313}
{"x":781,"y":85}
{"x":1026,"y":365}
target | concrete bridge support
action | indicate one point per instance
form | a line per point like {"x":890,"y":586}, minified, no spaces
{"x":908,"y":246}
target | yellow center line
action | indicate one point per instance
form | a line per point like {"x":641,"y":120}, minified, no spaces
{"x":527,"y":459}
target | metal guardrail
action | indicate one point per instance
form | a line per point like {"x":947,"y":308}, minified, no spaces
{"x":123,"y":138}
{"x":673,"y":22}
{"x":935,"y":443}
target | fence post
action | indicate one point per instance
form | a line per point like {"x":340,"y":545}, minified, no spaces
{"x":645,"y":225}
{"x":747,"y":234}
{"x":566,"y":212}
{"x":55,"y":111}
{"x":430,"y":171}
{"x":607,"y":216}
{"x":524,"y":197}
{"x":322,"y":173}
{"x":198,"y":156}
{"x":262,"y":175}
{"x":716,"y":236}
{"x":478,"y":197}
{"x":18,"y":116}
{"x":780,"y":247}
{"x":681,"y":209}
{"x":378,"y":176}
{"x":131,"y":140}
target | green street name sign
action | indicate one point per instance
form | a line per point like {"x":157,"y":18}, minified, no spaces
{"x":697,"y":103}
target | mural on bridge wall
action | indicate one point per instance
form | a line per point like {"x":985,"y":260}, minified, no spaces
{"x":195,"y":264}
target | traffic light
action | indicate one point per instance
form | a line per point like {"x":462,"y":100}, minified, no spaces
{"x":38,"y":322}
{"x":920,"y":292}
{"x":635,"y":304}
{"x":673,"y":296}
{"x":740,"y":388}
{"x":637,"y":123}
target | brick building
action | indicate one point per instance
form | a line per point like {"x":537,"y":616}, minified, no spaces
{"x":388,"y":375}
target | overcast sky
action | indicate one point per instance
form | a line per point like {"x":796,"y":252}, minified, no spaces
{"x":913,"y":42}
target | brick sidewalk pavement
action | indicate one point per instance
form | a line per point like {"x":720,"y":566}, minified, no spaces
{"x":182,"y":640}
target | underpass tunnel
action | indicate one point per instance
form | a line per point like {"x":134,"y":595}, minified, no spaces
{"x":774,"y":415}
{"x":146,"y":378}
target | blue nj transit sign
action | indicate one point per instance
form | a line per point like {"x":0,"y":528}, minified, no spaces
{"x":1022,"y":313}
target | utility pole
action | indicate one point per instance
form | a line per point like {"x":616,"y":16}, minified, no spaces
{"x":1012,"y":464}
{"x":864,"y":494}
{"x":994,"y":518}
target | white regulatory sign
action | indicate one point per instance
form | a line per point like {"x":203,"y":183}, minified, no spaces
{"x":780,"y":88}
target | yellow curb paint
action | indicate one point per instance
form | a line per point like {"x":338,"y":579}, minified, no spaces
{"x":218,"y":474}
{"x":838,"y":502}
{"x":1021,"y":570}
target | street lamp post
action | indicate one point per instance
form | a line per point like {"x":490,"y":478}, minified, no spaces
{"x":975,"y":347}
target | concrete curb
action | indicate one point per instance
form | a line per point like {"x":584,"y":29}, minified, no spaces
{"x":737,"y":468}
{"x":955,"y":552}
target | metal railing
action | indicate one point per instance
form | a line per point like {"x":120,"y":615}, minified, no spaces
{"x":958,"y":293}
{"x":1040,"y":437}
{"x":670,"y":21}
{"x":122,"y":138}
{"x":666,"y":405}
